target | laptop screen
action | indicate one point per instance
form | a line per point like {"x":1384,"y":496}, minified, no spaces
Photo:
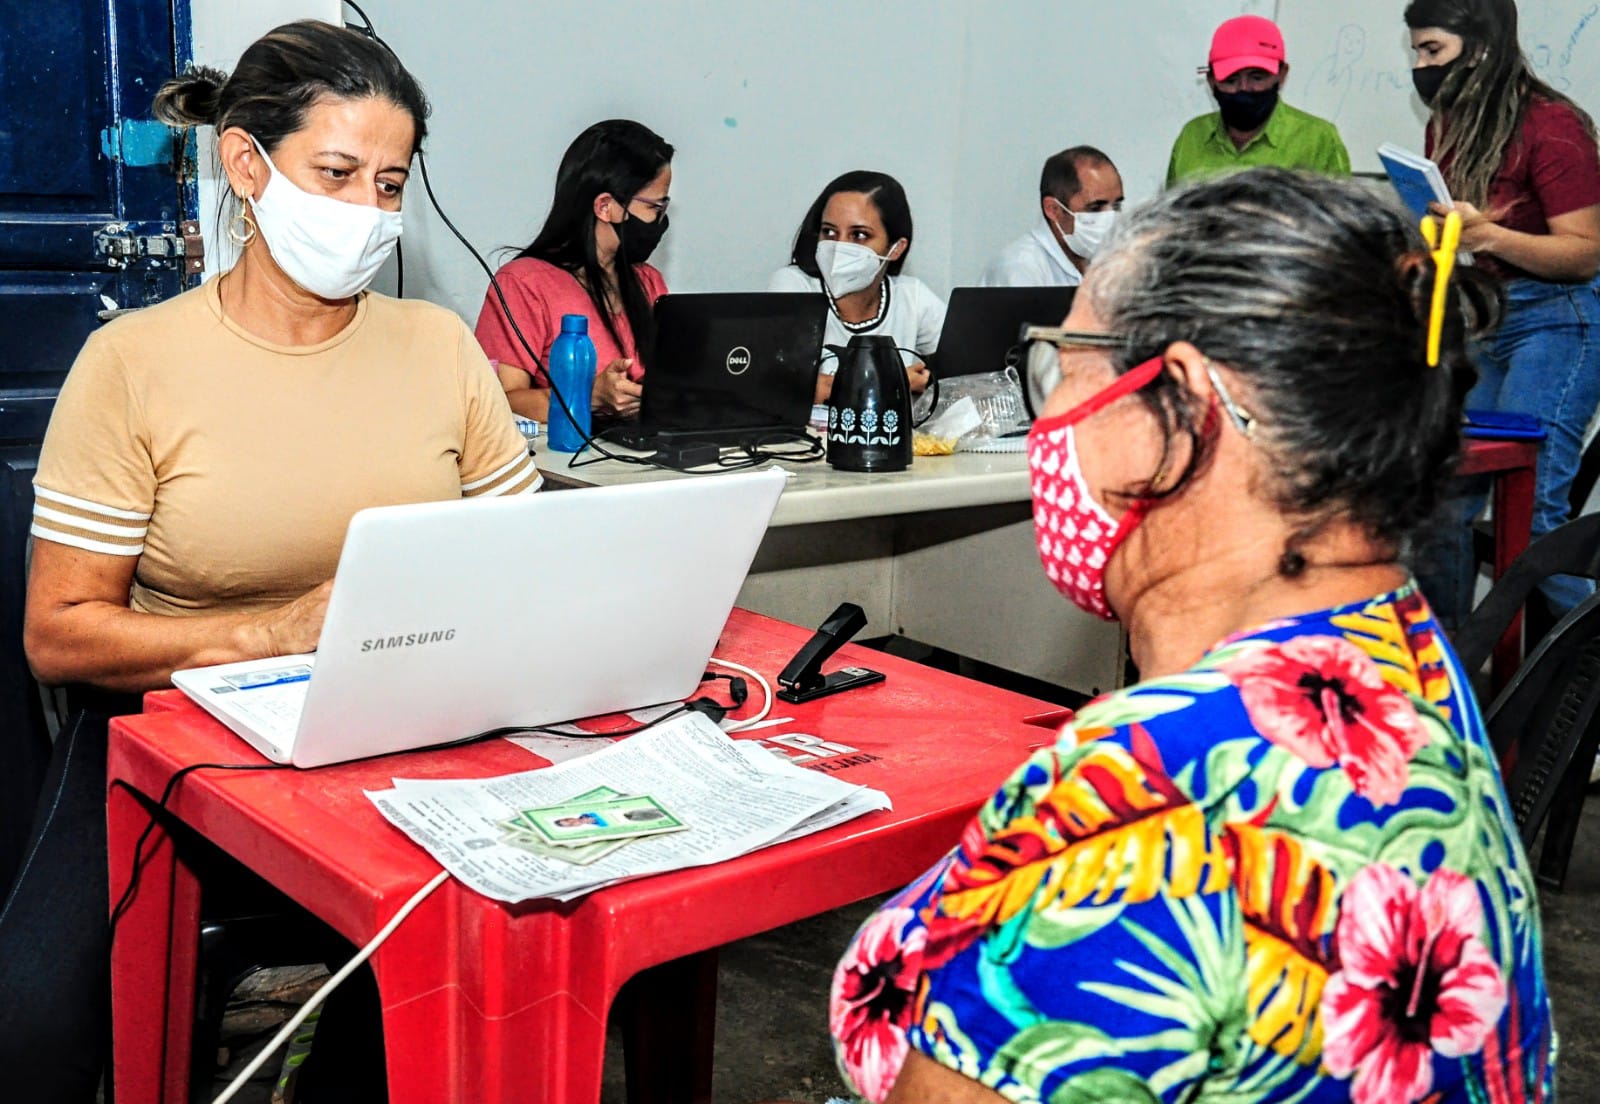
{"x":981,"y":327}
{"x":733,"y":361}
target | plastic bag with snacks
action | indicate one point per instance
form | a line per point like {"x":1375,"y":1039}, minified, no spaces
{"x":989,"y":408}
{"x":938,"y":435}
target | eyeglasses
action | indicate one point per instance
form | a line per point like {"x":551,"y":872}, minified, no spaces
{"x":1241,"y":418}
{"x":1044,"y":365}
{"x":659,"y":206}
{"x":1044,"y":344}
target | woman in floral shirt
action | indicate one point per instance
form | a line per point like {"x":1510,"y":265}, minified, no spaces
{"x":1282,"y":866}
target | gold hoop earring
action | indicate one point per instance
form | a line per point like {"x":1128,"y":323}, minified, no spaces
{"x":243,"y":237}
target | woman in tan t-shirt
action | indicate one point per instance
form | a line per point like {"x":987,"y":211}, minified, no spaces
{"x":206,"y":454}
{"x":205,"y":458}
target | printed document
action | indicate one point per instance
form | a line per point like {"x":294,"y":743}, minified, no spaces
{"x":734,"y":796}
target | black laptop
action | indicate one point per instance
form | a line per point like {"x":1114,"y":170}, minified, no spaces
{"x":729,"y":367}
{"x":981,"y":326}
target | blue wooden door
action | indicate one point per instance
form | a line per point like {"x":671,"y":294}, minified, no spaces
{"x":96,"y":200}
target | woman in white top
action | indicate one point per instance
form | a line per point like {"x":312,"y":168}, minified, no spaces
{"x":851,"y":245}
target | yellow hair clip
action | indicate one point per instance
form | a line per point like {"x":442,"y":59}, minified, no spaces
{"x":1444,"y":247}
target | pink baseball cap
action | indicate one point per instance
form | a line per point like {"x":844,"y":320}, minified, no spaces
{"x":1246,"y":42}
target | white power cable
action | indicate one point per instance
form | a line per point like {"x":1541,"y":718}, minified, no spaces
{"x":766,"y":688}
{"x":417,"y":898}
{"x":328,"y":987}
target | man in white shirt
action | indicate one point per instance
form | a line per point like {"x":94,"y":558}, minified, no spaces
{"x":1080,"y":193}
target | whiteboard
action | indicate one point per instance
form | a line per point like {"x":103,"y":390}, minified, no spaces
{"x":767,"y":100}
{"x":1350,"y":62}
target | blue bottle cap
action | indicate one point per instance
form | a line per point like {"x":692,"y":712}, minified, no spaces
{"x":575,"y":323}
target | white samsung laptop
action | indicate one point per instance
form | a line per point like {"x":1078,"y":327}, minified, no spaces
{"x":448,"y":619}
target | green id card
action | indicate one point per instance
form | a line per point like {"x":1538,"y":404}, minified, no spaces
{"x":592,"y":821}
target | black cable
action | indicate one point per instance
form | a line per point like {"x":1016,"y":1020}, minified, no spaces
{"x":399,"y":271}
{"x":427,"y":185}
{"x":494,"y":282}
{"x":699,"y":705}
{"x":750,"y":453}
{"x":581,"y":734}
{"x":737,"y":691}
{"x":505,"y":308}
{"x":161,"y":805}
{"x":591,"y":441}
{"x":369,"y":30}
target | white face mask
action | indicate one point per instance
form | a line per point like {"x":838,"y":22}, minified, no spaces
{"x":1089,"y":231}
{"x":847,"y":267}
{"x":331,"y":248}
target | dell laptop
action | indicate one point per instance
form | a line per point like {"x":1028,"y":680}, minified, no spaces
{"x":729,"y":367}
{"x":617,"y":598}
{"x":982,"y":324}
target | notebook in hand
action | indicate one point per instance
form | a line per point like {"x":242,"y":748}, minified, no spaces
{"x":450,"y":619}
{"x":1415,"y":178}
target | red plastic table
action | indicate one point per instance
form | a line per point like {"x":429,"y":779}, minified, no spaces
{"x":1512,"y":464}
{"x":488,"y":1002}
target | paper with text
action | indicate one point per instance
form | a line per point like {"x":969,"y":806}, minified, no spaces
{"x":737,"y":796}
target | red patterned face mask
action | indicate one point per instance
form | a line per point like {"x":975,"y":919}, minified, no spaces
{"x":1077,"y":536}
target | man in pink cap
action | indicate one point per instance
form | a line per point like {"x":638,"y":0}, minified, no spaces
{"x":1252,"y":126}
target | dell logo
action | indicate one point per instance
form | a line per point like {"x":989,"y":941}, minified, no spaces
{"x":738,"y":360}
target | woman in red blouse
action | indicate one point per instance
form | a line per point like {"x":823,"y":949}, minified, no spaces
{"x":608,"y":215}
{"x":1521,"y":163}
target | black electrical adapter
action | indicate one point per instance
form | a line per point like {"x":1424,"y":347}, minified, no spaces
{"x":689,"y":454}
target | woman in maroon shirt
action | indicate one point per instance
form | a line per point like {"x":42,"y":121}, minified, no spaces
{"x":1521,"y":163}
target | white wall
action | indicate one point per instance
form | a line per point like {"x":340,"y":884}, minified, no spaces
{"x":221,"y":31}
{"x":765,"y":101}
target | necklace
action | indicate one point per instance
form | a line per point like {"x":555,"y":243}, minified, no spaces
{"x":870,"y":324}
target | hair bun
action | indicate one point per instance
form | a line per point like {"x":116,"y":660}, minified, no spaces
{"x":1415,"y":269}
{"x":1473,"y":308}
{"x":192,"y":99}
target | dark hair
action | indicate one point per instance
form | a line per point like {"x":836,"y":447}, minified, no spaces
{"x":887,"y":196}
{"x":1060,"y":175}
{"x":1317,"y":298}
{"x":617,"y":156}
{"x":1478,"y":111}
{"x":282,"y":74}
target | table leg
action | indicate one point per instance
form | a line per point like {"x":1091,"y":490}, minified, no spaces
{"x":152,"y":959}
{"x":1513,"y":526}
{"x":480,"y":1007}
{"x":440,"y":1048}
{"x":669,"y":1031}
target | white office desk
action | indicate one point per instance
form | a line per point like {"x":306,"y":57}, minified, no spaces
{"x":942,"y":553}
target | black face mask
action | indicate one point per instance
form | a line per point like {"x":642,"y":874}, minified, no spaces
{"x":1247,"y":110}
{"x":1430,"y":79}
{"x":638,"y":239}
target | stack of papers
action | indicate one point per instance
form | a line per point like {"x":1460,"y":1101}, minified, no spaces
{"x":679,"y":795}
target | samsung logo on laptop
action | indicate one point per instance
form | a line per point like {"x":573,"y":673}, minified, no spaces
{"x":409,"y":640}
{"x":738,"y":360}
